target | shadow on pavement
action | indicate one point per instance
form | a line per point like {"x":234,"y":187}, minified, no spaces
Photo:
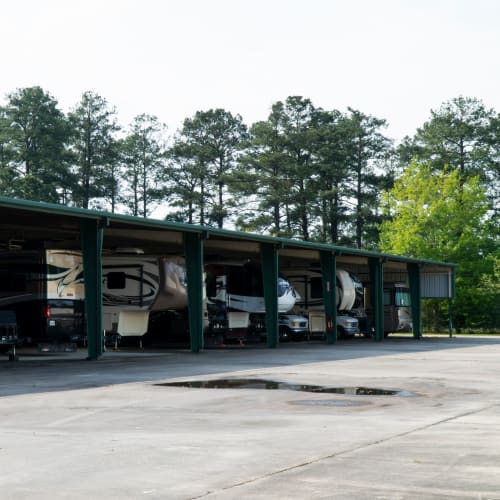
{"x":37,"y":372}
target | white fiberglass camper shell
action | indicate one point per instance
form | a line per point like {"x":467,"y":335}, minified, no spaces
{"x":137,"y":283}
{"x":235,"y":299}
{"x":349,"y":293}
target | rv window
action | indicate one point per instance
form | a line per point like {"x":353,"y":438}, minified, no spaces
{"x":402,"y":297}
{"x":116,"y":280}
{"x":316,"y":288}
{"x":387,"y":297}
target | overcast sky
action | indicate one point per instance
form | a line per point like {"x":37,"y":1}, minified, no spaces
{"x":393,"y":59}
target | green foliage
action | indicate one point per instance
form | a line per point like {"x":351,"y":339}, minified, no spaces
{"x":94,"y":149}
{"x":312,"y":173}
{"x":489,"y":288}
{"x":433,"y":215}
{"x":185,"y":181}
{"x":461,"y":135}
{"x":33,"y":137}
{"x":442,"y":216}
{"x":207,"y":147}
{"x":367,"y":146}
{"x":456,"y":135}
{"x":281,"y":167}
{"x":303,"y":173}
{"x":143,"y":156}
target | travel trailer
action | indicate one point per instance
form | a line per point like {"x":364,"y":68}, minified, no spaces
{"x":45,"y":289}
{"x":136,"y":285}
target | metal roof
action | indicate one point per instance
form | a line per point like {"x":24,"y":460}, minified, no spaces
{"x":24,"y":220}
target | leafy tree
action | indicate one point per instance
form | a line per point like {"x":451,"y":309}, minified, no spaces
{"x":489,"y":289}
{"x":143,"y":157}
{"x":442,"y":216}
{"x":209,"y":143}
{"x":8,"y":173}
{"x":367,"y":145}
{"x":94,"y":147}
{"x":456,"y":135}
{"x":331,"y":202}
{"x":300,"y":138}
{"x":262,"y":176}
{"x":185,"y":185}
{"x":464,"y":135}
{"x":33,"y":137}
{"x":493,"y":141}
{"x":304,"y":168}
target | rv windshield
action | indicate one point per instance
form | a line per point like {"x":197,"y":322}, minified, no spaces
{"x":402,"y":297}
{"x":283,"y":286}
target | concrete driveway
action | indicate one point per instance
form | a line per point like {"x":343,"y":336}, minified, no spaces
{"x":77,"y":429}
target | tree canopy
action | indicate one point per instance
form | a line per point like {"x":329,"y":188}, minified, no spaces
{"x":442,"y":216}
{"x":305,"y":172}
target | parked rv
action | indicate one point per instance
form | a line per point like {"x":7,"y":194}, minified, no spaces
{"x":142,"y":294}
{"x":350,"y":302}
{"x":293,"y":327}
{"x":136,"y":285}
{"x":44,"y":288}
{"x":397,"y":308}
{"x":235,"y":301}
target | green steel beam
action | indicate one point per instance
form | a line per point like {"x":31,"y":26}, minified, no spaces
{"x":193,"y":253}
{"x":91,"y":237}
{"x":416,"y":303}
{"x":329,"y":280}
{"x":450,"y":302}
{"x":269,"y":258}
{"x":450,"y":319}
{"x":376,"y":268}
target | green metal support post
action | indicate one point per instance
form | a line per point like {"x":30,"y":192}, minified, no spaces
{"x":376,"y":268}
{"x":193,"y":252}
{"x":91,"y":232}
{"x":450,"y":319}
{"x":269,"y":258}
{"x":451,"y":294}
{"x":416,"y":304}
{"x":329,"y":274}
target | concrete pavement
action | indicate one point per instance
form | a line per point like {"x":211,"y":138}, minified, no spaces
{"x":75,"y":429}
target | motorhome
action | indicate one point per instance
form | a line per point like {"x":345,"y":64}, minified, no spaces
{"x":44,"y":289}
{"x":351,"y":316}
{"x":397,"y":308}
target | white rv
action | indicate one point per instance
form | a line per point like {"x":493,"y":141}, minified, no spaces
{"x":45,"y":290}
{"x":235,"y":302}
{"x":349,"y":293}
{"x":135,"y":285}
{"x":141,"y":294}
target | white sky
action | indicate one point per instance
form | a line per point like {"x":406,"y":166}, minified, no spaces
{"x":394,"y":59}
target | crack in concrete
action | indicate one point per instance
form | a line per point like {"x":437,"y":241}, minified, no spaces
{"x":344,"y":452}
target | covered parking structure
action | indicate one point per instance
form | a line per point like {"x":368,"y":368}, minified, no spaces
{"x":27,"y":224}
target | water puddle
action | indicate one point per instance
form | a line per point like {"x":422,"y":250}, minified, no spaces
{"x":251,"y":383}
